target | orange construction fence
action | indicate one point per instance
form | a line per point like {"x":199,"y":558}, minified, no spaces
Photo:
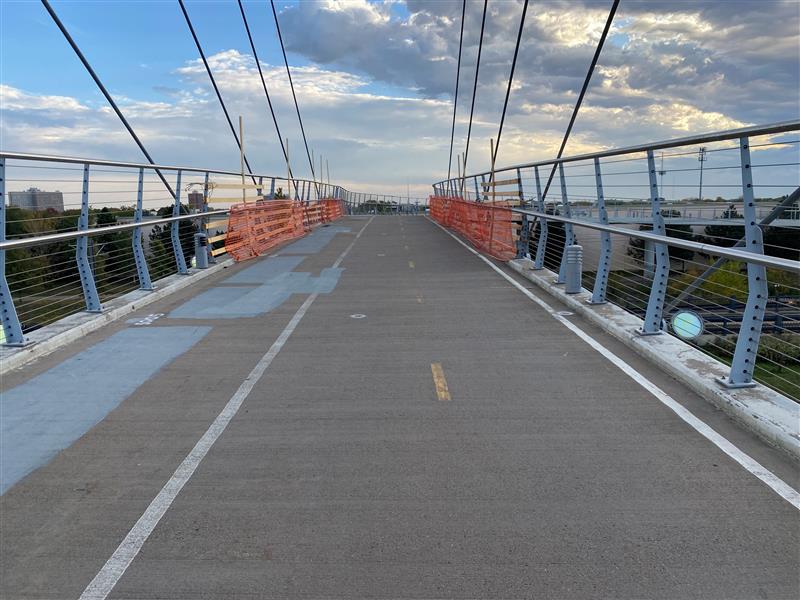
{"x":254,"y":228}
{"x":488,"y":225}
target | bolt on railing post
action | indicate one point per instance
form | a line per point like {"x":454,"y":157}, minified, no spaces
{"x":82,"y":251}
{"x":177,"y":249}
{"x":744,"y":357}
{"x":541,"y":245}
{"x":604,"y":263}
{"x":138,"y":251}
{"x":569,"y":236}
{"x":522,"y":241}
{"x":658,"y":290}
{"x":12,"y":328}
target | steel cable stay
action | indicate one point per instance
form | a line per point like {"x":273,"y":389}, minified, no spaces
{"x":266,"y":94}
{"x":294,"y":96}
{"x":216,"y":89}
{"x":474,"y":90}
{"x":455,"y":97}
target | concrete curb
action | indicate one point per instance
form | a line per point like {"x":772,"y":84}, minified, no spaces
{"x":56,"y":335}
{"x":767,"y":413}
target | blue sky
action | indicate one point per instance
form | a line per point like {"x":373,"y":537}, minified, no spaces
{"x":375,"y":79}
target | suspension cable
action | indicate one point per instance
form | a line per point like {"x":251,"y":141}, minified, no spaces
{"x":103,"y":89}
{"x":455,"y":99}
{"x":216,"y":89}
{"x":510,"y":81}
{"x":475,"y":85}
{"x":291,"y":85}
{"x":583,"y":92}
{"x":266,"y":93}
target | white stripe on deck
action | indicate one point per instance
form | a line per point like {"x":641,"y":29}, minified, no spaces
{"x":778,"y":485}
{"x":115,"y":567}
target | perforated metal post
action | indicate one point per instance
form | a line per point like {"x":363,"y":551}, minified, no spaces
{"x":177,"y":249}
{"x":260,"y":187}
{"x":272,"y":188}
{"x":138,"y":251}
{"x":744,"y":357}
{"x":541,"y":246}
{"x":658,"y":289}
{"x":524,"y":232}
{"x":604,"y":263}
{"x":569,"y":236}
{"x":82,"y":251}
{"x":12,"y":328}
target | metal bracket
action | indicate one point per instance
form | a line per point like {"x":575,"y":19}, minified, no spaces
{"x":177,"y":249}
{"x":658,"y":289}
{"x":82,"y":251}
{"x":569,"y":235}
{"x":12,"y":328}
{"x":744,"y":357}
{"x":541,"y":246}
{"x":604,"y":263}
{"x":138,"y":251}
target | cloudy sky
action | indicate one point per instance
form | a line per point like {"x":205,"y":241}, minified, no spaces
{"x":375,"y":79}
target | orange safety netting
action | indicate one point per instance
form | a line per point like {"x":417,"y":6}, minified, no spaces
{"x":254,"y":228}
{"x":489,"y":226}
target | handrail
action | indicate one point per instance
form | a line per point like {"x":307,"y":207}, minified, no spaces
{"x":70,"y":235}
{"x":731,"y":253}
{"x":127,"y":165}
{"x":718,"y":136}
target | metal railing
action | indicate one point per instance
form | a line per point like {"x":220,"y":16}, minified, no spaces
{"x":112,"y":227}
{"x":732,"y":261}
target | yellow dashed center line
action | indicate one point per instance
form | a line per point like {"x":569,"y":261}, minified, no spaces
{"x":440,"y":382}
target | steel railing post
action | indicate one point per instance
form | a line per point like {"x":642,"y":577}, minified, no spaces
{"x":541,"y":245}
{"x":658,"y":289}
{"x":204,"y":224}
{"x":744,"y":357}
{"x":569,"y":236}
{"x":12,"y":328}
{"x":82,"y":251}
{"x":484,"y":197}
{"x":272,"y":188}
{"x":604,"y":263}
{"x":138,"y":251}
{"x":177,"y":249}
{"x":522,"y":240}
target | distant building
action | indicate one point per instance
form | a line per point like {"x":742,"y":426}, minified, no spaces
{"x":36,"y":199}
{"x":195,"y":201}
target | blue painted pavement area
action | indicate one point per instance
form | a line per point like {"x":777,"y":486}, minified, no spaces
{"x":49,"y":412}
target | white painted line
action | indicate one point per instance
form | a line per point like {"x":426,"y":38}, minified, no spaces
{"x":101,"y":586}
{"x":780,"y":487}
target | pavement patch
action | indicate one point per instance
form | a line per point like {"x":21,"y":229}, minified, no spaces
{"x":49,"y":412}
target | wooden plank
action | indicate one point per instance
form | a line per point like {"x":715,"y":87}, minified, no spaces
{"x":218,"y":251}
{"x":502,"y":194}
{"x":236,"y":186}
{"x":237,"y":200}
{"x":219,"y":223}
{"x":217,"y":238}
{"x":487,"y":185}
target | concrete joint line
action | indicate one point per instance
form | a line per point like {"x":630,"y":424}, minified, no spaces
{"x":108,"y":577}
{"x":772,"y":481}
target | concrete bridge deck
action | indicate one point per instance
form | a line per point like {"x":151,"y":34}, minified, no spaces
{"x":374,"y":413}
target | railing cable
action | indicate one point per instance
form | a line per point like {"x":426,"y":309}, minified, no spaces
{"x":216,"y":89}
{"x":455,"y":98}
{"x":475,"y":87}
{"x":103,"y":89}
{"x":266,"y":93}
{"x":294,"y":96}
{"x":583,"y":92}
